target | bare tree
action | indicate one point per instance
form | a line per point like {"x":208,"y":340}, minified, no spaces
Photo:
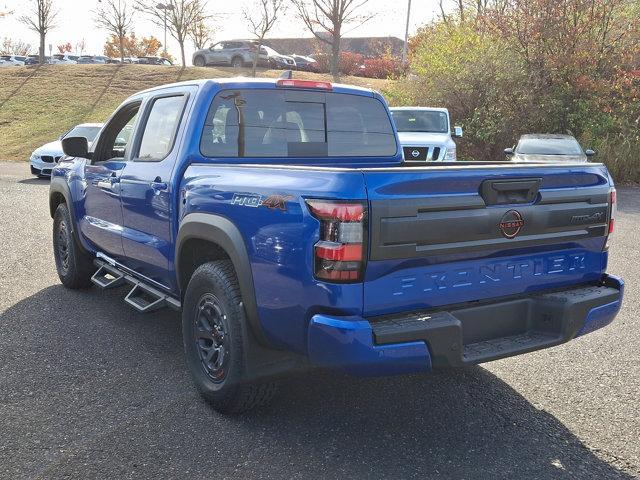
{"x":14,"y":47}
{"x":261,"y":22}
{"x":41,"y":19}
{"x":331,"y":16}
{"x":115,"y":17}
{"x":81,"y":46}
{"x":180,"y":17}
{"x":200,"y":34}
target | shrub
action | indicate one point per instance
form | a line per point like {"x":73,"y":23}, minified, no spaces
{"x":530,"y":68}
{"x":382,"y":67}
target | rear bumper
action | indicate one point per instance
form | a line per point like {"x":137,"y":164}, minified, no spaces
{"x":462,"y":335}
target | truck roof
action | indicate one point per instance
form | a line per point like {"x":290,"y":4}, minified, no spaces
{"x":429,"y":109}
{"x":245,"y":82}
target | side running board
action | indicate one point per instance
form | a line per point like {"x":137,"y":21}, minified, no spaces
{"x":142,"y":296}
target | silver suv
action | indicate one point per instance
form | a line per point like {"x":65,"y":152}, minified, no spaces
{"x":238,"y":53}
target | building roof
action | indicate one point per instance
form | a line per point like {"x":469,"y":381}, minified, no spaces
{"x":367,"y":46}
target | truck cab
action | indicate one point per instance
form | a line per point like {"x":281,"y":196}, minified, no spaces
{"x":425,"y":134}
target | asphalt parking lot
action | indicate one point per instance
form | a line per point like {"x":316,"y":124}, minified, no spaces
{"x":91,"y":389}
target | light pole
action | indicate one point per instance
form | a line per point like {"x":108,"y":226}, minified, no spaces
{"x":164,"y":7}
{"x":406,"y":35}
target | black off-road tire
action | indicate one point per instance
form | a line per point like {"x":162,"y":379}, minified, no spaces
{"x":199,"y":61}
{"x":74,"y":265}
{"x":213,"y":298}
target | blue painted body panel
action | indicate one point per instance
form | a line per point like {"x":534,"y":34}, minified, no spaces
{"x":347,"y":343}
{"x":603,"y":315}
{"x":139,"y":227}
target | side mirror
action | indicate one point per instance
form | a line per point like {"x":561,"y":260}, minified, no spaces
{"x":457,"y":132}
{"x":75,"y":147}
{"x":508,"y":151}
{"x":589,"y":153}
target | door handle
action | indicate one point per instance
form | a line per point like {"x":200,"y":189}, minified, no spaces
{"x":158,"y":185}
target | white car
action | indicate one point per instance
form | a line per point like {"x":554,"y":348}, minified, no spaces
{"x":44,"y":158}
{"x":14,"y":59}
{"x":64,"y":59}
{"x":425,"y":134}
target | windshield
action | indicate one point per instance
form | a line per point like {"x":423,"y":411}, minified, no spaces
{"x":58,"y":57}
{"x":87,"y":132}
{"x":549,"y":146}
{"x":268,"y":50}
{"x":420,"y":121}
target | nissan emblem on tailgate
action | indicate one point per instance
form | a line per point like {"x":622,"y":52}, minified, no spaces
{"x":511,"y":223}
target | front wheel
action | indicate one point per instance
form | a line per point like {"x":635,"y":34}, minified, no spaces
{"x":215,"y":341}
{"x":199,"y":61}
{"x":73,"y":264}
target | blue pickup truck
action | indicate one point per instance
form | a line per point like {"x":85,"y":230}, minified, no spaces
{"x":279,"y":217}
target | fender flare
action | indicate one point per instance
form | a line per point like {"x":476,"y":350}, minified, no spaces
{"x":58,"y":185}
{"x":221,"y":231}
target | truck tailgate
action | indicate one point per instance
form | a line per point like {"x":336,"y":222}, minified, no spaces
{"x":448,"y":235}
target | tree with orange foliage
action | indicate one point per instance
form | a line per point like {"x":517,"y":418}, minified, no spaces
{"x":64,"y":47}
{"x":133,"y":46}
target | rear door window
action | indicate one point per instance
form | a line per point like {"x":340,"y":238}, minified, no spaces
{"x":285,"y":123}
{"x":161,"y":127}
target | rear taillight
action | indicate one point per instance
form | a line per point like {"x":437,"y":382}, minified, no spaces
{"x":613,"y":208}
{"x":339,"y":255}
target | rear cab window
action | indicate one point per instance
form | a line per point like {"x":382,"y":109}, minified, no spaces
{"x":290,"y":123}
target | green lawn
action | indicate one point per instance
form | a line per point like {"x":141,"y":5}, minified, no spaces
{"x":37,"y":104}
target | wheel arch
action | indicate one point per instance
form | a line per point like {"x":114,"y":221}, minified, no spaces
{"x":59,"y":193}
{"x":204,"y":237}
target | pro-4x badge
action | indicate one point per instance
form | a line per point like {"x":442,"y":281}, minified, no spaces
{"x":272,"y":202}
{"x":511,"y":224}
{"x":277,"y":201}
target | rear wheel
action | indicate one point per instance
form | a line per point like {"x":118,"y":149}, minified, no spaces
{"x":215,"y":340}
{"x":236,"y":62}
{"x":199,"y":61}
{"x":73,"y":264}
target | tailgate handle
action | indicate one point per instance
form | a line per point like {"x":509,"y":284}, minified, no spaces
{"x":506,"y":192}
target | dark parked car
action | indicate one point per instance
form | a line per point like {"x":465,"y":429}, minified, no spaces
{"x":273,"y":59}
{"x":154,"y":61}
{"x":548,"y":148}
{"x":35,"y":60}
{"x":91,"y":59}
{"x":307,"y":64}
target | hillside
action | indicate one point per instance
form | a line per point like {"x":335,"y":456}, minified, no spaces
{"x":37,"y":104}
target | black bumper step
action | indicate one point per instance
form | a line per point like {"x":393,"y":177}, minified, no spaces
{"x":481,"y":332}
{"x":142,"y":296}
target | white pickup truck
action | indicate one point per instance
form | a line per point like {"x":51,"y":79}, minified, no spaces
{"x":425,"y":133}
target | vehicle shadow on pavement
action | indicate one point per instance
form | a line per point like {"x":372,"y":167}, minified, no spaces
{"x":89,"y":388}
{"x":35,"y":181}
